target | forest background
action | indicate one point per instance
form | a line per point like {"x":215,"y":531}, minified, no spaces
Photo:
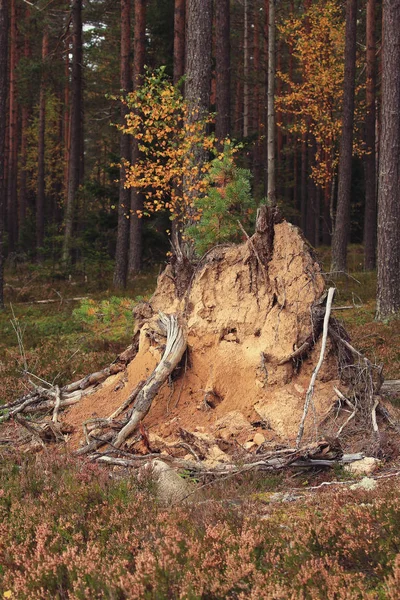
{"x":73,"y":238}
{"x":313,"y":148}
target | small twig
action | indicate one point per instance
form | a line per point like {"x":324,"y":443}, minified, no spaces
{"x":310,"y":390}
{"x":299,"y":352}
{"x":26,"y":372}
{"x":347,"y":421}
{"x":18,"y":332}
{"x":373,"y":416}
{"x":57,"y":404}
{"x":250,"y":241}
{"x":183,"y":380}
{"x":263,"y":365}
{"x":30,"y":428}
{"x":343,"y":398}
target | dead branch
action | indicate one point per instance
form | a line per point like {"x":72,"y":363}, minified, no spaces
{"x":373,"y":416}
{"x":252,"y":246}
{"x":391,"y":386}
{"x":175,"y":347}
{"x":57,"y":404}
{"x":310,"y":390}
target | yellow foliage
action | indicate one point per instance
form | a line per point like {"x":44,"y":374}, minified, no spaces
{"x":175,"y":151}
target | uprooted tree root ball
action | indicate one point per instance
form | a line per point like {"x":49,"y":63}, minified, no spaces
{"x":220,"y":368}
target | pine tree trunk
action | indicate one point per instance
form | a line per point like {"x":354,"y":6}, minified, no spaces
{"x":40,"y":198}
{"x":23,"y":190}
{"x":388,"y":297}
{"x":12,"y":199}
{"x":198,"y":66}
{"x":265,"y":96}
{"x":122,"y":249}
{"x":370,"y":157}
{"x":179,"y":40}
{"x":4,"y":26}
{"x":136,"y":224}
{"x":222,"y":68}
{"x":341,"y":232}
{"x":75,"y":155}
{"x":246,"y":68}
{"x":256,"y":104}
{"x":198,"y":54}
{"x":271,"y":192}
{"x":303,"y":184}
{"x":66,"y":127}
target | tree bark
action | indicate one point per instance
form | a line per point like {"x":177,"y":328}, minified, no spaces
{"x":122,"y":250}
{"x":265,"y":95}
{"x":136,"y":223}
{"x":370,"y":157}
{"x":23,"y":190}
{"x":40,"y":198}
{"x":271,"y":192}
{"x":341,"y":232}
{"x":246,"y":68}
{"x":66,"y":127}
{"x":12,"y":198}
{"x":75,"y":156}
{"x":388,"y":296}
{"x":179,"y":40}
{"x":198,"y":54}
{"x":222,"y":69}
{"x":4,"y":27}
{"x":198,"y":71}
{"x":303,"y":184}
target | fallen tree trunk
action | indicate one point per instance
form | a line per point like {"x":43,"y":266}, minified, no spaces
{"x":391,"y":386}
{"x":174,"y":350}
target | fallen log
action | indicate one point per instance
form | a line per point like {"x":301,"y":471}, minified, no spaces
{"x":174,"y":350}
{"x":391,"y":386}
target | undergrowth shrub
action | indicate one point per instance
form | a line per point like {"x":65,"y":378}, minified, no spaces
{"x":227,"y":201}
{"x":114,"y":313}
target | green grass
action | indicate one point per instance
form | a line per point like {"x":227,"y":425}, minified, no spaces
{"x":61,"y":341}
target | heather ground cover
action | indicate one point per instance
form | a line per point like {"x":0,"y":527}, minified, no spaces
{"x":72,"y":529}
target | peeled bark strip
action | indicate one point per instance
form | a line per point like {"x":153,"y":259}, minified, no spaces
{"x":176,"y":346}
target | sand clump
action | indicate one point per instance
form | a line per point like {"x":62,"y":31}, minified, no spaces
{"x":243,"y":318}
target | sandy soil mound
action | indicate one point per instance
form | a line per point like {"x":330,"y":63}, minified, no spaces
{"x":243,"y":319}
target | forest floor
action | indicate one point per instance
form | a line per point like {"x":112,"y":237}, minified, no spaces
{"x":72,"y":529}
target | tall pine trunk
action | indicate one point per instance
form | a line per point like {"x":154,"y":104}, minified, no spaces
{"x":179,"y":40}
{"x":222,"y":69}
{"x":12,"y":199}
{"x":370,"y":157}
{"x":198,"y":55}
{"x":271,"y":191}
{"x":246,"y":67}
{"x":122,"y":250}
{"x":198,"y":61}
{"x":197,"y":91}
{"x":40,"y":197}
{"x":75,"y":156}
{"x":23,"y":182}
{"x":341,"y":232}
{"x":4,"y":25}
{"x":388,"y":298}
{"x":66,"y":125}
{"x":136,"y":224}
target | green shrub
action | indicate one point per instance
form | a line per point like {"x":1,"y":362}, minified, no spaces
{"x":228,"y":201}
